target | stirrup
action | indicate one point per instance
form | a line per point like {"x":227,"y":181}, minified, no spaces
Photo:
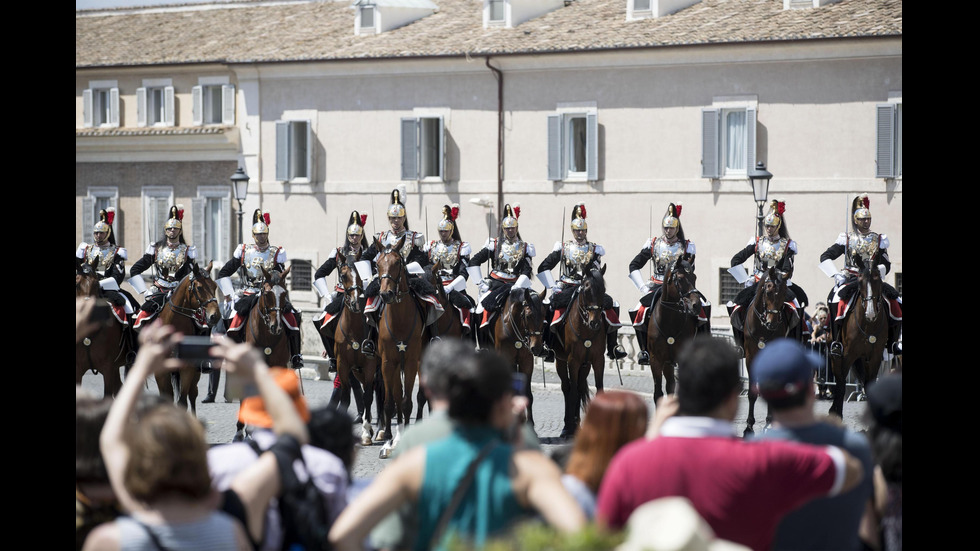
{"x":895,"y":348}
{"x":296,"y":361}
{"x":367,"y":347}
{"x":643,"y":358}
{"x":836,"y":349}
{"x":617,"y":353}
{"x":548,"y":355}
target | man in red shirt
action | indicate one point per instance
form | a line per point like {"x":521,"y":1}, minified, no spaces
{"x":742,"y":489}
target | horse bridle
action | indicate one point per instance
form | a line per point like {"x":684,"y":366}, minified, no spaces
{"x":401,"y":264}
{"x":265,"y":313}
{"x":350,"y":293}
{"x":680,"y":305}
{"x":583,"y":310}
{"x":524,"y":337}
{"x":202,"y":302}
{"x":765,"y":312}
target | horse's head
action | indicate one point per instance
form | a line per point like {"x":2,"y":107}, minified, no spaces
{"x":392,"y":271}
{"x":680,"y":286}
{"x":591,"y":293}
{"x":773,"y":291}
{"x":87,"y":279}
{"x":869,"y":284}
{"x":201,"y":291}
{"x":272,"y":299}
{"x":350,"y":280}
{"x":532,"y":316}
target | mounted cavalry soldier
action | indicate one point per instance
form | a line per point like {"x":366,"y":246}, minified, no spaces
{"x":773,"y":249}
{"x":453,"y":256}
{"x":415,"y":260}
{"x":663,"y":251}
{"x":864,"y":244}
{"x":171,"y":257}
{"x":108,"y":258}
{"x":577,"y":257}
{"x":249,"y":261}
{"x":510,"y":261}
{"x":352,"y":250}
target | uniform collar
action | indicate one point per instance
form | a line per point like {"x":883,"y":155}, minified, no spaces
{"x":697,"y":427}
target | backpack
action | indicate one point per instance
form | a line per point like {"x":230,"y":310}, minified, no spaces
{"x":302,"y":509}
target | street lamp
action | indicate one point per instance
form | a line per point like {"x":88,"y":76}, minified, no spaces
{"x":760,"y":189}
{"x":239,"y":185}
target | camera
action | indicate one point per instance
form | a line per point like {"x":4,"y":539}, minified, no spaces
{"x":194,"y":349}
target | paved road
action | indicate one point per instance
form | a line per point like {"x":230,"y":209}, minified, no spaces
{"x":219,"y":418}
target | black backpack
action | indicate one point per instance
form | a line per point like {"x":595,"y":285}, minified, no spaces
{"x":302,"y":509}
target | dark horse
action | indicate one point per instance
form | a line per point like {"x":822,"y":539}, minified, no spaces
{"x":447,"y":325}
{"x":767,"y":318}
{"x":349,"y":332}
{"x":193,"y":310}
{"x":265,"y":329}
{"x":105,"y":350}
{"x":581,"y":347}
{"x":518,"y":335}
{"x":673,"y":321}
{"x":864,"y":334}
{"x":400,"y":330}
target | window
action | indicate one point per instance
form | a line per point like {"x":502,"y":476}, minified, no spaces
{"x":211,"y":221}
{"x":98,"y":199}
{"x":367,"y":17}
{"x":898,"y":283}
{"x":728,"y":287}
{"x":157,"y":201}
{"x":495,"y":11}
{"x":100,"y":105}
{"x":728,"y":139}
{"x":155,"y":103}
{"x":573,"y":146}
{"x":294,"y":151}
{"x":213,"y":102}
{"x":423,"y":148}
{"x":641,"y":5}
{"x":888,"y":155}
{"x":301,"y":275}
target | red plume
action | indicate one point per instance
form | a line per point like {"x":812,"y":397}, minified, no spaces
{"x":581,"y":209}
{"x":363,"y":219}
{"x":268,"y":220}
{"x":677,"y":211}
{"x":517,"y":210}
{"x":454,"y":212}
{"x":110,"y":215}
{"x":781,"y":207}
{"x":180,"y":212}
{"x":866,"y":201}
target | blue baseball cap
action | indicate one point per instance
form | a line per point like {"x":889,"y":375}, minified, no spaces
{"x":783,"y":369}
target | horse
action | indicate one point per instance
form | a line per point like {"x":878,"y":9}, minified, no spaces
{"x":107,"y":349}
{"x":766,"y":320}
{"x":348,"y":334}
{"x":673,"y":321}
{"x":193,"y":310}
{"x":446,"y":325}
{"x":400,"y":330}
{"x":265,"y":324}
{"x":864,"y":334}
{"x":582,"y":347}
{"x":518,"y":335}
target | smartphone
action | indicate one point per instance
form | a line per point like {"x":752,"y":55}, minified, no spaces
{"x":518,"y":384}
{"x":194,"y":349}
{"x":100,"y":313}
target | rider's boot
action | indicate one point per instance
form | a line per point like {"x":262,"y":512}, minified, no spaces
{"x":295,"y":350}
{"x":643,"y":358}
{"x":548,"y":354}
{"x":894,"y":346}
{"x":134,"y":343}
{"x":836,"y":347}
{"x":614,"y":350}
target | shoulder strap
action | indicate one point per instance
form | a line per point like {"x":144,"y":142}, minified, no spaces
{"x":153,"y":537}
{"x":457,"y":498}
{"x":653,"y":243}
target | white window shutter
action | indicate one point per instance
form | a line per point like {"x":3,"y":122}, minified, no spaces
{"x":710,"y":143}
{"x":885,"y":141}
{"x":197,"y":224}
{"x":226,"y":243}
{"x":141,"y":107}
{"x":442,"y":148}
{"x":88,"y":219}
{"x":309,"y":152}
{"x":282,"y":151}
{"x":751,"y":116}
{"x":555,"y":171}
{"x":592,"y":146}
{"x":197,"y":105}
{"x":168,"y":106}
{"x":228,"y":104}
{"x":87,"y":108}
{"x":114,"y":107}
{"x":410,"y":149}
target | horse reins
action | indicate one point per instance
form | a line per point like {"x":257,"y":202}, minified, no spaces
{"x":192,"y":313}
{"x":401,"y":263}
{"x":523,"y":337}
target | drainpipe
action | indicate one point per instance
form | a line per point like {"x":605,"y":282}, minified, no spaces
{"x":500,"y":134}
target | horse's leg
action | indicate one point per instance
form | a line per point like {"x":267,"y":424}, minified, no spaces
{"x":411,"y":375}
{"x":188,"y":388}
{"x":561,"y":367}
{"x":750,"y":347}
{"x":527,"y":369}
{"x":657,"y":370}
{"x":367,"y":385}
{"x":165,"y":386}
{"x":344,"y":374}
{"x":840,"y":366}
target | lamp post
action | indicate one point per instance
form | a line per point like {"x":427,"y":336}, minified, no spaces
{"x":760,"y":190}
{"x":239,"y":185}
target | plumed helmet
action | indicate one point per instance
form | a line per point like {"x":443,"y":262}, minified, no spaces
{"x":106,"y":216}
{"x":396,"y":209}
{"x":578,"y":217}
{"x":260,"y":222}
{"x":448,"y":222}
{"x":175,"y":220}
{"x":511,"y":214}
{"x":673,"y":217}
{"x":355,"y":224}
{"x":775,"y":215}
{"x":860,"y":208}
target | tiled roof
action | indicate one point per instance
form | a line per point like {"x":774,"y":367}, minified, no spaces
{"x":277,"y":32}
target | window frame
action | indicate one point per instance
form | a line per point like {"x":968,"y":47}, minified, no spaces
{"x":200,"y":107}
{"x":888,"y":139}
{"x":287,"y":150}
{"x":146,"y":194}
{"x":413,"y":145}
{"x":714,"y":137}
{"x":560,"y":144}
{"x":90,"y":210}
{"x":300,"y":295}
{"x":504,"y":20}
{"x":726,"y":278}
{"x":201,"y":223}
{"x":147,"y":104}
{"x":108,"y":107}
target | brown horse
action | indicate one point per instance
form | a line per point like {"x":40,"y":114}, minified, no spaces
{"x":400,"y":330}
{"x":104,"y":351}
{"x":864,"y":334}
{"x":265,"y":327}
{"x":766,"y":319}
{"x":518,"y":335}
{"x":673,"y":321}
{"x":447,"y":325}
{"x":582,"y":347}
{"x":349,"y":332}
{"x":193,"y":310}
